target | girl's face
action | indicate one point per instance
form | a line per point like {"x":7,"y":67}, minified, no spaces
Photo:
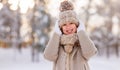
{"x":69,"y":28}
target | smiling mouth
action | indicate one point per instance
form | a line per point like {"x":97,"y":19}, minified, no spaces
{"x":69,"y":31}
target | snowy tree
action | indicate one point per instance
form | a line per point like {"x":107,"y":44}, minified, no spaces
{"x":40,"y":23}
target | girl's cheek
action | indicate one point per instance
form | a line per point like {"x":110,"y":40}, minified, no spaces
{"x":73,"y":30}
{"x":64,"y":31}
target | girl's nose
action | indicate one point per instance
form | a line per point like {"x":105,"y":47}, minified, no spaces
{"x":67,"y":25}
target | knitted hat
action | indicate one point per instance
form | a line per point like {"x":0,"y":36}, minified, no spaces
{"x":67,"y":15}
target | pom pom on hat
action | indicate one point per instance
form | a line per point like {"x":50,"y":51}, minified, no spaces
{"x":67,"y":15}
{"x":66,"y":5}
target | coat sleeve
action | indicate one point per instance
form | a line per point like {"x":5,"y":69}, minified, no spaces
{"x":87,"y":46}
{"x":52,"y":48}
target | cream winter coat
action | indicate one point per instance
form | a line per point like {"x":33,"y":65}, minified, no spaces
{"x":78,"y":58}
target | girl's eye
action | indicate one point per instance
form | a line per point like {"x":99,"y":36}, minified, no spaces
{"x":64,"y":24}
{"x":71,"y":23}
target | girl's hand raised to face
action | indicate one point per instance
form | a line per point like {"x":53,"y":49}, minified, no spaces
{"x":57,"y":29}
{"x":81,"y":26}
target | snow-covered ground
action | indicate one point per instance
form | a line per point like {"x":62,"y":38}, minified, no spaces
{"x":13,"y":60}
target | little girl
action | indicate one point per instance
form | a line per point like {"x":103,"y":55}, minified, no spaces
{"x":69,"y":48}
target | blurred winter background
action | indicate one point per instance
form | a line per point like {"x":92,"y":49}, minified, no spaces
{"x":26,"y":26}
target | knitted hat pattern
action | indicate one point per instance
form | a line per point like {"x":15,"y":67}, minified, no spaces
{"x":67,"y":14}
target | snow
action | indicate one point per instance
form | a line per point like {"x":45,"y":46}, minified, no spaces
{"x":22,"y":61}
{"x":103,"y":63}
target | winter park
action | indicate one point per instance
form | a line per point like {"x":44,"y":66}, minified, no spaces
{"x":59,"y":34}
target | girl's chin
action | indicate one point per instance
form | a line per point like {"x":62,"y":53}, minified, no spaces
{"x":69,"y":33}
